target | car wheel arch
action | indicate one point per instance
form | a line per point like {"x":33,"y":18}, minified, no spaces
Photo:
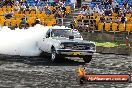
{"x":52,"y":47}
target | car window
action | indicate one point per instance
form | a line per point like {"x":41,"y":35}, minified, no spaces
{"x":65,"y":33}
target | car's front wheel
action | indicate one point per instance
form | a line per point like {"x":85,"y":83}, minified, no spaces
{"x":54,"y":56}
{"x":87,"y":58}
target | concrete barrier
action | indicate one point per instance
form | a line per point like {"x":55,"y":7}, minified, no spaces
{"x":109,"y":37}
{"x":106,"y":36}
{"x":114,"y":50}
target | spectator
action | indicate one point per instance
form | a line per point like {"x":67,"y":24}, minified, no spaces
{"x":63,"y":10}
{"x":114,"y":4}
{"x":102,"y":18}
{"x":25,"y":1}
{"x":106,"y":3}
{"x":16,"y":3}
{"x":116,"y":9}
{"x":96,"y":9}
{"x":108,"y":12}
{"x":58,"y":13}
{"x":47,"y":10}
{"x":12,"y":12}
{"x":17,"y":7}
{"x":43,"y":23}
{"x":24,"y":23}
{"x":90,"y":11}
{"x":54,"y":10}
{"x":128,"y":10}
{"x":24,"y":18}
{"x":37,"y":1}
{"x":27,"y":8}
{"x":72,"y":23}
{"x":110,"y":2}
{"x":34,"y":8}
{"x":125,"y":4}
{"x":123,"y":10}
{"x":108,"y":20}
{"x":80,"y":25}
{"x":8,"y":2}
{"x":8,"y":15}
{"x":116,"y":20}
{"x":123,"y":19}
{"x":120,"y":13}
{"x":21,"y":2}
{"x":84,"y":7}
{"x":86,"y":24}
{"x":73,"y":2}
{"x":22,"y":8}
{"x":101,"y":12}
{"x":44,"y":1}
{"x":131,"y":10}
{"x":41,"y":7}
{"x":37,"y":21}
{"x":83,"y":11}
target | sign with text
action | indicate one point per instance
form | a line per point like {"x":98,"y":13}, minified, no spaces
{"x":108,"y":78}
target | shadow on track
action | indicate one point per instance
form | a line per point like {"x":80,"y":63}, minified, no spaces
{"x":39,"y":61}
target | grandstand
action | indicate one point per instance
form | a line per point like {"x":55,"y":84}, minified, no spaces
{"x":19,"y":11}
{"x":94,"y":16}
{"x":106,"y":18}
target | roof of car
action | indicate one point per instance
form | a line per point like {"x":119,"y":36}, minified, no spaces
{"x":60,"y":27}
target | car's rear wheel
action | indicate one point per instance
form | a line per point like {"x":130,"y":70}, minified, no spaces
{"x":87,"y":58}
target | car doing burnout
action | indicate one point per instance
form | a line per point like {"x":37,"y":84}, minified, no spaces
{"x":60,"y":41}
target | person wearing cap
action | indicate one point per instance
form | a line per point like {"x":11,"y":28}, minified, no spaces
{"x":24,"y":22}
{"x":27,"y":8}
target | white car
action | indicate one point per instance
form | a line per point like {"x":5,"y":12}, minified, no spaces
{"x":60,"y":41}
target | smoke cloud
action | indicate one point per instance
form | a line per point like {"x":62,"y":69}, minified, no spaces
{"x":21,"y":42}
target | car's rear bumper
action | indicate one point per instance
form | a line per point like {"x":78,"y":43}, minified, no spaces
{"x":74,"y":52}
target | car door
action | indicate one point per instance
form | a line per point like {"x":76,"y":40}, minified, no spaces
{"x":46,"y":42}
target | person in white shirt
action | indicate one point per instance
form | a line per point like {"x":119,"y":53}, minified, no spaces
{"x":74,"y":3}
{"x":23,"y":7}
{"x":101,"y":12}
{"x":17,"y":8}
{"x":90,"y":11}
{"x":96,"y":8}
{"x":114,"y":3}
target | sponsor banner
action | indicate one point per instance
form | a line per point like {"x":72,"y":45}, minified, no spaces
{"x":108,"y":78}
{"x":98,"y":78}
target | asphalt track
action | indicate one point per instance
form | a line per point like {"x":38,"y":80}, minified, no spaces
{"x":38,"y":72}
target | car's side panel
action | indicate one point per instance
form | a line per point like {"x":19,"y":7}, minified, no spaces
{"x":46,"y":44}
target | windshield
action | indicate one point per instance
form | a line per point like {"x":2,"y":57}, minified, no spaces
{"x":65,"y":33}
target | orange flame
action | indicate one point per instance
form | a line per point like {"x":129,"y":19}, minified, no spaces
{"x":81,"y":71}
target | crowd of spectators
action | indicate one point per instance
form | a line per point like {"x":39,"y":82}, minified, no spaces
{"x":108,"y":9}
{"x":58,"y":8}
{"x":105,"y":11}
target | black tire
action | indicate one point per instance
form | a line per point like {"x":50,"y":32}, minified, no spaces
{"x":87,"y":58}
{"x":82,"y":80}
{"x":54,"y":56}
